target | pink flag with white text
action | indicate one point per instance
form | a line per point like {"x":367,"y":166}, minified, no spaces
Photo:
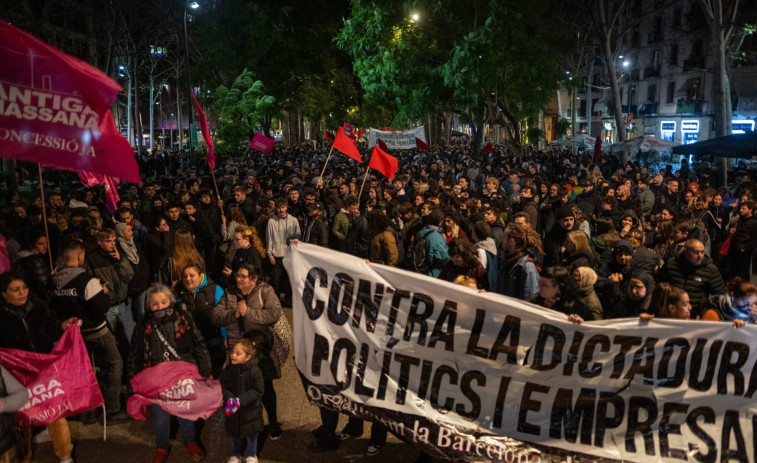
{"x":61,"y":383}
{"x":108,"y":182}
{"x":262,"y":143}
{"x":178,"y":388}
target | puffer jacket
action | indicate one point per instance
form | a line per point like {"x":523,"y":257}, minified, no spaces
{"x":383,"y":248}
{"x":179,"y":331}
{"x":200,"y":303}
{"x":263,"y":311}
{"x":700,"y":282}
{"x":244,"y":381}
{"x":36,"y":270}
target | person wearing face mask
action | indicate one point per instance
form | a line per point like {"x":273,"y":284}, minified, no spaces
{"x":200,"y":294}
{"x":168,"y":333}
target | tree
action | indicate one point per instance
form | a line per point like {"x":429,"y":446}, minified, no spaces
{"x":241,"y":110}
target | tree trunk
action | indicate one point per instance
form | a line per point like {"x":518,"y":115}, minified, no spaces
{"x":448,"y":128}
{"x":722,"y":94}
{"x":588,"y":97}
{"x":138,"y":117}
{"x":152,"y":114}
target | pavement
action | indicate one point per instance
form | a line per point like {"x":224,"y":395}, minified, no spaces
{"x":134,"y":441}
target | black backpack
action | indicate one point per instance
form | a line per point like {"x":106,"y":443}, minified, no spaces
{"x":416,"y":253}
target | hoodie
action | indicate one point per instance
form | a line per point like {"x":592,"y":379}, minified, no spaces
{"x":76,"y":293}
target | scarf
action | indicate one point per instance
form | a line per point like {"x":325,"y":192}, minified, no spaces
{"x":128,"y":246}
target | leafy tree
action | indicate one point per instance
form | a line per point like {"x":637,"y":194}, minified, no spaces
{"x":241,"y":109}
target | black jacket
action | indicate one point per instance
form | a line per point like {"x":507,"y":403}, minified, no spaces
{"x":116,"y":273}
{"x":32,"y":327}
{"x":244,"y":381}
{"x":76,"y":293}
{"x":700,"y":282}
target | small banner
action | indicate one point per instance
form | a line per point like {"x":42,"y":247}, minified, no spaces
{"x":402,"y":140}
{"x":109,"y":184}
{"x":178,"y":388}
{"x":262,"y":143}
{"x":462,"y":373}
{"x":60,"y":383}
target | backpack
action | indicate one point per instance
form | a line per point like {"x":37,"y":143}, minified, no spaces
{"x":416,"y":253}
{"x":492,"y":270}
{"x":400,"y":240}
{"x":701,"y":229}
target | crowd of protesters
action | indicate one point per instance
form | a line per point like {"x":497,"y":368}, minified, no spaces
{"x":197,"y":260}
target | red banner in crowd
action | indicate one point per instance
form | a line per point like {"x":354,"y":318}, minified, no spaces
{"x":60,"y":383}
{"x":108,"y":182}
{"x":262,"y":143}
{"x":178,"y":388}
{"x":328,"y":135}
{"x":55,"y":110}
{"x":210,"y":147}
{"x":421,"y":145}
{"x":344,"y":144}
{"x":383,"y":162}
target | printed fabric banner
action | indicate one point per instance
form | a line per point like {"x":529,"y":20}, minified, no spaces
{"x":462,"y":373}
{"x":403,"y":140}
{"x":178,"y":388}
{"x":61,"y":383}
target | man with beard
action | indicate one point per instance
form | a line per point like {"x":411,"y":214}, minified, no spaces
{"x":555,"y":239}
{"x":316,"y":226}
{"x":529,"y":206}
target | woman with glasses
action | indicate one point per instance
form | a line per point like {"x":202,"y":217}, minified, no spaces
{"x":250,"y":309}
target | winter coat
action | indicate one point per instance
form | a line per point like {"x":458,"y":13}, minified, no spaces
{"x":700,"y":282}
{"x":33,"y":327}
{"x":141,"y":279}
{"x":383,"y":248}
{"x":244,"y":381}
{"x":576,"y":307}
{"x":317,"y":232}
{"x":358,"y":237}
{"x":278,"y":233}
{"x":259,"y":319}
{"x":179,"y":331}
{"x":36,"y":270}
{"x":76,"y":293}
{"x":200,"y":303}
{"x":519,"y":278}
{"x":116,"y":273}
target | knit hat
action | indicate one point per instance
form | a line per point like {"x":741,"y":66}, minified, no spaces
{"x":563,"y":212}
{"x":623,"y":245}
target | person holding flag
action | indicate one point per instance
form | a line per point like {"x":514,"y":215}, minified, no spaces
{"x":27,"y":323}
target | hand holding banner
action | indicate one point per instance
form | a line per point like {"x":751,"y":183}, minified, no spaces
{"x":61,"y":383}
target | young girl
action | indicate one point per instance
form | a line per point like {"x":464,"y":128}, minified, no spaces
{"x":242,"y":384}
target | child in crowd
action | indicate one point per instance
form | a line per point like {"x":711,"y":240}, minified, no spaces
{"x":242,"y":384}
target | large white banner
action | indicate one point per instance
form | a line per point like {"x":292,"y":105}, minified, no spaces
{"x":404,"y":140}
{"x":456,"y":371}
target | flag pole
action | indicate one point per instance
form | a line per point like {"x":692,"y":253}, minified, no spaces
{"x":365,"y":176}
{"x":215,"y":184}
{"x":44,"y":216}
{"x":320,"y":178}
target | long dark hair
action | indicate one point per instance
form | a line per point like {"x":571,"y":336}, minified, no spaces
{"x":563,"y":279}
{"x":462,"y":248}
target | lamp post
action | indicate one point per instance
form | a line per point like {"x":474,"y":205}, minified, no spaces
{"x":626,"y":65}
{"x":194,"y":6}
{"x":124,"y":72}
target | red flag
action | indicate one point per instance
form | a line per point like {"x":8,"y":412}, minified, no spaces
{"x":346,"y":146}
{"x":386,"y":129}
{"x":262,"y":143}
{"x":381,"y":144}
{"x":328,"y":135}
{"x":61,"y":383}
{"x":56,"y":110}
{"x":360,"y":133}
{"x":205,"y":133}
{"x":421,"y":145}
{"x":383,"y":162}
{"x":178,"y":388}
{"x":108,"y":182}
{"x":488,"y":148}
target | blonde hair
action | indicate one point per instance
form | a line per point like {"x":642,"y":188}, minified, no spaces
{"x":580,"y":240}
{"x":185,"y":253}
{"x":463,"y":280}
{"x":251,"y":234}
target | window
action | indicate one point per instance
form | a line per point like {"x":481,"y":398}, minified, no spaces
{"x":652,"y":93}
{"x":670,"y":93}
{"x":582,"y":109}
{"x":674,"y":54}
{"x":677,"y":14}
{"x":656,"y":59}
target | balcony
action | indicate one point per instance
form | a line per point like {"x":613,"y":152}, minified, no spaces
{"x":651,"y":72}
{"x":694,"y":63}
{"x":688,"y":107}
{"x":647,"y":109}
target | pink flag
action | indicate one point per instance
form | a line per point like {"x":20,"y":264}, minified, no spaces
{"x":178,"y":388}
{"x":349,"y":129}
{"x":56,"y":110}
{"x":262,"y":143}
{"x":108,"y":182}
{"x":205,"y":133}
{"x":60,"y":383}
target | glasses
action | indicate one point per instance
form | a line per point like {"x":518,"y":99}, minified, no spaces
{"x":239,"y":276}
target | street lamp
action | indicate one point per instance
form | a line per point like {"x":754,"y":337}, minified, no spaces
{"x":123,"y":72}
{"x":626,"y":65}
{"x":194,"y":6}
